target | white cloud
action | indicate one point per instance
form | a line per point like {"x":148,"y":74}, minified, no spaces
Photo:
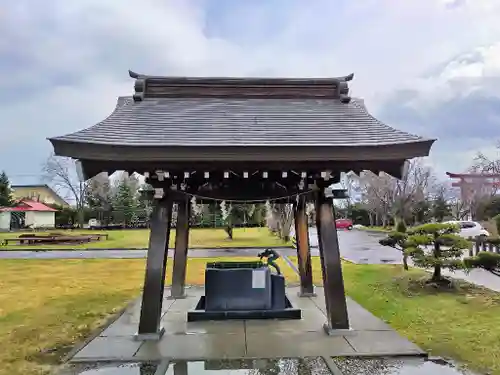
{"x":64,"y":62}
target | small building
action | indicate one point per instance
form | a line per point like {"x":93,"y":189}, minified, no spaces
{"x":38,"y":193}
{"x":27,"y":214}
{"x":282,"y":140}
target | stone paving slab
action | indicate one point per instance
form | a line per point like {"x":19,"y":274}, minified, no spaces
{"x":246,"y":338}
{"x":296,"y":344}
{"x":382,"y":343}
{"x":191,"y":347}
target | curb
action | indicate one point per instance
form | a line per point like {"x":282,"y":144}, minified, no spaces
{"x":371,"y":231}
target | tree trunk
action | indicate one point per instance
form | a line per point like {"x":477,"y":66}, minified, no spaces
{"x":384,"y":221}
{"x":80,"y":215}
{"x":436,"y":276}
{"x":405,"y":261}
{"x":229,"y":231}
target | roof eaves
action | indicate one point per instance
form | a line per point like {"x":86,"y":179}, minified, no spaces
{"x":121,"y":102}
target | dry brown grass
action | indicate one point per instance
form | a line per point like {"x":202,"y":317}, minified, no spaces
{"x":46,"y":306}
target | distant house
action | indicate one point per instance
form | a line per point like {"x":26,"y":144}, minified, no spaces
{"x":27,"y":214}
{"x":38,"y":193}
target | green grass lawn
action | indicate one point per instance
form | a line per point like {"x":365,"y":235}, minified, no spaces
{"x":138,"y":238}
{"x":46,"y":306}
{"x":377,"y":229}
{"x":463,"y":324}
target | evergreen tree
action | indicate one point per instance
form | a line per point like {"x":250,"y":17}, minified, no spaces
{"x":422,"y":211}
{"x":145,"y":202}
{"x":432,"y":246}
{"x":5,"y":191}
{"x":440,"y":208}
{"x":125,"y":202}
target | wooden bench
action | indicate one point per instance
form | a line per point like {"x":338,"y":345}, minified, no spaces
{"x":100,"y":236}
{"x":54,"y":239}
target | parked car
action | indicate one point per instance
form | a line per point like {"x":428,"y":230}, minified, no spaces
{"x":313,"y":233}
{"x":343,"y":224}
{"x":470,"y":229}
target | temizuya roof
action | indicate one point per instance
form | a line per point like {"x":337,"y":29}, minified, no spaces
{"x":240,"y":119}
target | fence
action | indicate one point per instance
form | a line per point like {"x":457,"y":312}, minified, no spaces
{"x":491,"y":245}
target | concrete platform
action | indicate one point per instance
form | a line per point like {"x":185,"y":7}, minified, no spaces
{"x":246,"y":339}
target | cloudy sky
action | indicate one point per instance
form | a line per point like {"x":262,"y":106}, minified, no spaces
{"x":430,"y":67}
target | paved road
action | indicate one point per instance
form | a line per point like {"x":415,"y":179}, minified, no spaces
{"x":356,"y":246}
{"x":362,"y":247}
{"x":129,"y":254}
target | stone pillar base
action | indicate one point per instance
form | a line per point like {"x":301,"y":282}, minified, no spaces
{"x":149,"y":336}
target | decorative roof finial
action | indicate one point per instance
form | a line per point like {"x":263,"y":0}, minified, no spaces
{"x":133,"y":74}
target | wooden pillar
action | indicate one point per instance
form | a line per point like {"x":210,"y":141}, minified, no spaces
{"x":303,"y":249}
{"x":154,"y":282}
{"x":333,"y":283}
{"x":181,"y":249}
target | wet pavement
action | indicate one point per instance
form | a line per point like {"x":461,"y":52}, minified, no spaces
{"x":281,"y":366}
{"x":268,"y":338}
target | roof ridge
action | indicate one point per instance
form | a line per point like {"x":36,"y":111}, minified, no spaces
{"x":240,"y":87}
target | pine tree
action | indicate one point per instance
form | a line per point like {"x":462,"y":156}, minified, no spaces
{"x":5,"y":191}
{"x":440,"y":208}
{"x":125,"y":202}
{"x":433,"y":246}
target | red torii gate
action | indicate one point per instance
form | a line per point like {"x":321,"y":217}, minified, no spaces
{"x":470,"y":182}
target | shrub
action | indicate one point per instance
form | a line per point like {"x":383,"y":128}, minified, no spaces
{"x":485,"y":260}
{"x":434,"y":246}
{"x":497,"y":223}
{"x":397,"y":240}
{"x":401,"y":226}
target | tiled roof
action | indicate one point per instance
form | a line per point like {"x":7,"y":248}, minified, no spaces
{"x":226,"y":121}
{"x":28,"y":205}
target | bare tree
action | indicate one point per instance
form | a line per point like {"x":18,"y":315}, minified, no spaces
{"x":376,"y":192}
{"x":98,"y":191}
{"x":349,"y":182}
{"x":480,"y":191}
{"x":459,"y":209}
{"x":60,"y":174}
{"x":439,"y":188}
{"x":484,"y":164}
{"x":411,"y":189}
{"x":385,"y":196}
{"x":280,"y":218}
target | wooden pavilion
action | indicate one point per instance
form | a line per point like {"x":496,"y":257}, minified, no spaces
{"x":240,"y":139}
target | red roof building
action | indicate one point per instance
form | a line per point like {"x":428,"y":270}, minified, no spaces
{"x":27,"y":214}
{"x":27,"y":205}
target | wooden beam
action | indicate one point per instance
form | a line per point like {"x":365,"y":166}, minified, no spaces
{"x":213,"y":166}
{"x":303,"y":249}
{"x":333,"y":283}
{"x":154,"y":282}
{"x":181,"y":249}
